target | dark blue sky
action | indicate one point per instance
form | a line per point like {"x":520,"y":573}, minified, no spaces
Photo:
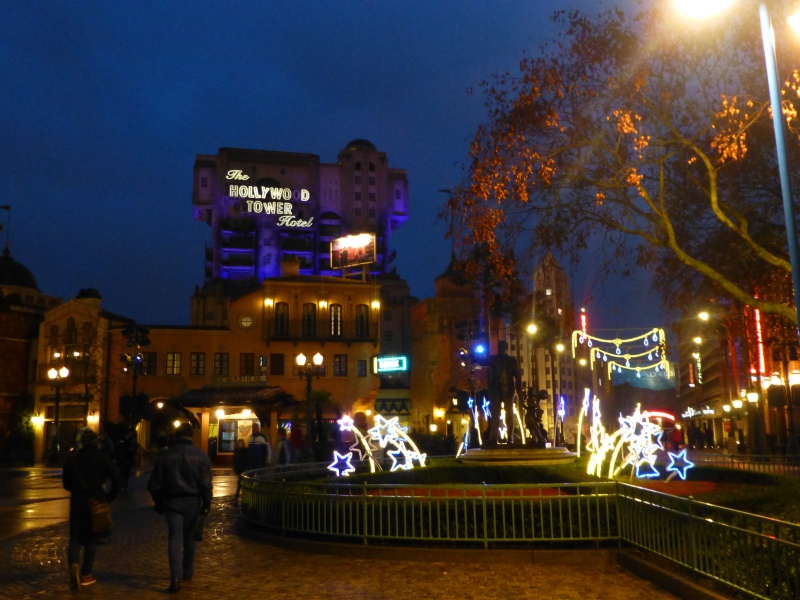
{"x":105,"y":104}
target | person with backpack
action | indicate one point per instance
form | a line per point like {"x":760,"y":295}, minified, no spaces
{"x":259,"y":449}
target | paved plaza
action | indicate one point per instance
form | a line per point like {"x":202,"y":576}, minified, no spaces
{"x":235,"y":562}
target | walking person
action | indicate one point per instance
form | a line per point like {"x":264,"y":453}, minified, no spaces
{"x":259,"y":448}
{"x":180,"y":486}
{"x":84,"y":476}
{"x":284,"y":453}
{"x":125,"y":452}
{"x":240,"y":463}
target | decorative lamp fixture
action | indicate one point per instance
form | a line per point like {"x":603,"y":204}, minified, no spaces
{"x":737,"y":403}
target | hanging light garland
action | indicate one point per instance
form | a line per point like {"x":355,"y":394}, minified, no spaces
{"x":616,"y":360}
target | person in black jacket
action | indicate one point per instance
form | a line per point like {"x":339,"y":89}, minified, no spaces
{"x":180,"y":485}
{"x":85,"y":475}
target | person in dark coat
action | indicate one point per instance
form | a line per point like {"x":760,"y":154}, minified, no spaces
{"x":85,"y":474}
{"x":241,"y":461}
{"x":125,"y":452}
{"x":180,"y":485}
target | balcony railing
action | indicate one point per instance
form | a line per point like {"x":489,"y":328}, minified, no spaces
{"x":321,"y":329}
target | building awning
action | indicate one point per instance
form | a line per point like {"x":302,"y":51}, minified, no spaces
{"x":258,"y":398}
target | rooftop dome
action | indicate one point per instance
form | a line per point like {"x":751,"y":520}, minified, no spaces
{"x":13,"y":273}
{"x":359,"y":143}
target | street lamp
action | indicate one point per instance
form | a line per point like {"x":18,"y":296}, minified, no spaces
{"x":308,"y":371}
{"x":768,"y":39}
{"x":558,"y":435}
{"x":84,"y":358}
{"x":57,"y":378}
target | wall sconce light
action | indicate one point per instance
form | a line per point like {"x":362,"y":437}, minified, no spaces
{"x":737,"y":404}
{"x":268,"y":302}
{"x":37,"y":420}
{"x":246,"y":412}
{"x":176,"y":423}
{"x":726,"y":408}
{"x":323,"y":304}
{"x":368,"y":412}
{"x":159,"y":405}
{"x":438,"y":413}
{"x":93,"y":418}
{"x":220,"y":413}
{"x":433,"y":427}
{"x":376,"y":304}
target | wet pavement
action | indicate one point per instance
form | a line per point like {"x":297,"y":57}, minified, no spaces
{"x":233,"y":563}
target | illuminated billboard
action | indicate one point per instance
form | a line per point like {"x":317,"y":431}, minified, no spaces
{"x":389,"y":364}
{"x":353,"y":250}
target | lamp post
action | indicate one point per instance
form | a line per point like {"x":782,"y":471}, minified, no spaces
{"x":308,"y":370}
{"x":57,"y":378}
{"x":556,"y":364}
{"x":84,"y":358}
{"x":778,"y":125}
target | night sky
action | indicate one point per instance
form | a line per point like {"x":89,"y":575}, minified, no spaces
{"x":105,"y":105}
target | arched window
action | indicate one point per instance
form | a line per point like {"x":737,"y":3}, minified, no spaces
{"x":309,"y":319}
{"x":281,"y":318}
{"x":335,"y":311}
{"x":70,"y":332}
{"x":362,"y":320}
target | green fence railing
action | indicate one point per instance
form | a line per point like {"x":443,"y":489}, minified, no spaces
{"x":756,"y":555}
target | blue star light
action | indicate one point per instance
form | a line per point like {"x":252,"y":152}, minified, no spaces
{"x":341,"y":464}
{"x":674,"y":458}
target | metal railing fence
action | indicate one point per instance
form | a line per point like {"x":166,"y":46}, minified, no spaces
{"x":756,"y":555}
{"x":753,"y":554}
{"x":452,"y":515}
{"x":770,"y":464}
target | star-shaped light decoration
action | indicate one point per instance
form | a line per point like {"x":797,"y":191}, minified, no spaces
{"x":388,"y":433}
{"x":674,"y":460}
{"x":383,"y":430}
{"x":341,"y":464}
{"x":346,"y":423}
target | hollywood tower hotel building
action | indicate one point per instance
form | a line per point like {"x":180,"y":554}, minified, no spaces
{"x":265,"y":207}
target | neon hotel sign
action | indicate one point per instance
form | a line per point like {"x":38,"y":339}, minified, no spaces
{"x":269,"y":200}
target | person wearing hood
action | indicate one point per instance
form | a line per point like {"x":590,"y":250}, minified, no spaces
{"x":85,"y":476}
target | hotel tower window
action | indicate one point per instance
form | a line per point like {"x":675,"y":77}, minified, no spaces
{"x":362,"y":320}
{"x":309,"y":319}
{"x":173,"y":363}
{"x":221,"y":363}
{"x":197,"y":363}
{"x":282,"y":318}
{"x":336,"y":320}
{"x":247,"y":363}
{"x":340,"y":365}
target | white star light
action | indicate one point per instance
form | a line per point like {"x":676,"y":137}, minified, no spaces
{"x":346,"y":423}
{"x":386,"y":433}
